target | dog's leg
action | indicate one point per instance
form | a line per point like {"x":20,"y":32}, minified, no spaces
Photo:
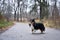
{"x":32,"y":30}
{"x":41,"y":31}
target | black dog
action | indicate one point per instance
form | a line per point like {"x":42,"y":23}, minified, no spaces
{"x":37,"y":26}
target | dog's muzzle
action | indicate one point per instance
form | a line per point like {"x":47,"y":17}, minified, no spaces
{"x":30,"y":25}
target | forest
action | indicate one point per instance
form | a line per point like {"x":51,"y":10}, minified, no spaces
{"x":46,"y":11}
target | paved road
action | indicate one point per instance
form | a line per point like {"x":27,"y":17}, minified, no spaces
{"x":21,"y":31}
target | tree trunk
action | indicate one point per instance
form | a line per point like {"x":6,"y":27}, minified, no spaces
{"x":15,"y":16}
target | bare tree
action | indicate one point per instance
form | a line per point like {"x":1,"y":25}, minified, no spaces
{"x":15,"y":11}
{"x":55,"y":13}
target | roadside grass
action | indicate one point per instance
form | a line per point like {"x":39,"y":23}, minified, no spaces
{"x":4,"y":24}
{"x":52,"y":24}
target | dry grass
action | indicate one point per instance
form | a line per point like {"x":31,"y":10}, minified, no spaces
{"x":49,"y":22}
{"x":52,"y":23}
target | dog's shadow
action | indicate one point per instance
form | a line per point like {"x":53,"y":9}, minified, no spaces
{"x":38,"y":33}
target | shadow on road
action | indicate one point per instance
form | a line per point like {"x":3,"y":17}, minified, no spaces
{"x":38,"y":33}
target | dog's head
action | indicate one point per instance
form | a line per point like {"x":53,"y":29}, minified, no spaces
{"x":32,"y":21}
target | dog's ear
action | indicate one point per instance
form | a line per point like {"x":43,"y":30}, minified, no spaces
{"x":33,"y":20}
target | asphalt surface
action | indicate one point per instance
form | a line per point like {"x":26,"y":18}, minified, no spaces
{"x":22,"y":31}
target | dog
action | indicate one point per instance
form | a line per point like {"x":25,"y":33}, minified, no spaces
{"x":37,"y":26}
